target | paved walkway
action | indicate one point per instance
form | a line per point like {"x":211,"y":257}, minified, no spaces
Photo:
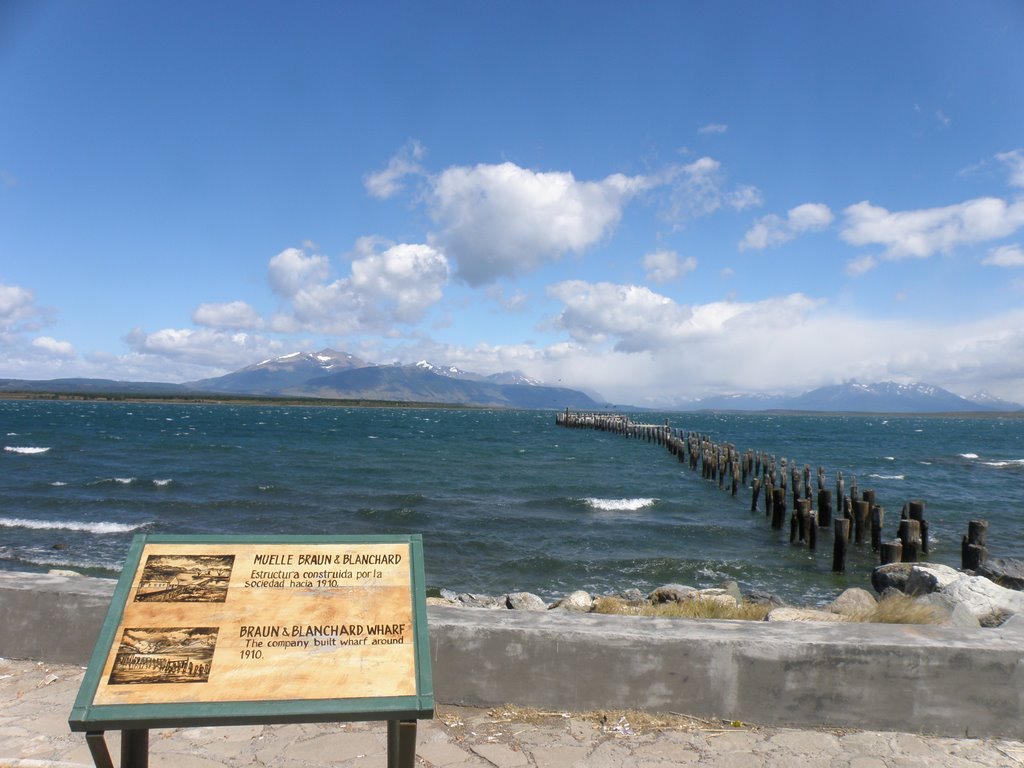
{"x":36,"y":699}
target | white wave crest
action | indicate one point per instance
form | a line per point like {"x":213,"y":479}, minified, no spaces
{"x":69,"y":525}
{"x":161,"y":483}
{"x":27,"y":450}
{"x":968,"y":455}
{"x":124,"y":480}
{"x":619,"y":505}
{"x":888,"y":477}
{"x":58,"y":483}
{"x":1007,"y":463}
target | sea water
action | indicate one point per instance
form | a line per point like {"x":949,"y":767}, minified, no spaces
{"x":506,"y":500}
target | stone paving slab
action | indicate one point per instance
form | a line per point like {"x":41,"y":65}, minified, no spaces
{"x":36,"y":700}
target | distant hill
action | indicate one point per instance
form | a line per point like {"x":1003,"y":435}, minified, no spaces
{"x":881,"y":397}
{"x":339,"y":375}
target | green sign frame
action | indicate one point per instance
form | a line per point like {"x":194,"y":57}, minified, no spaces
{"x":90,"y":716}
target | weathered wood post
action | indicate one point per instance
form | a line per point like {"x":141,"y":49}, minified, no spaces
{"x":755,"y":492}
{"x":824,"y":507}
{"x":861,"y":512}
{"x":973,"y":549}
{"x":891,"y":552}
{"x":802,"y":511}
{"x":812,"y":531}
{"x":910,"y":536}
{"x":807,"y":481}
{"x":915,"y":510}
{"x":842,"y":533}
{"x":778,"y":508}
{"x":877,"y":522}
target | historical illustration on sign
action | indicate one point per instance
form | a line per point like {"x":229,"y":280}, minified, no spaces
{"x":164,"y":655}
{"x":185,"y":579}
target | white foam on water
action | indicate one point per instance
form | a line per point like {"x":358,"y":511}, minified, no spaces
{"x":888,"y":477}
{"x":968,"y":455}
{"x":69,"y":525}
{"x":1007,"y":463}
{"x":25,"y":450}
{"x":124,"y":480}
{"x":619,"y":505}
{"x":161,"y":483}
{"x":58,"y":483}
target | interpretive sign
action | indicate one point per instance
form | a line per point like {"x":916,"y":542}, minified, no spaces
{"x":223,"y":630}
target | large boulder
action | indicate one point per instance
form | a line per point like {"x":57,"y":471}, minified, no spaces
{"x":926,"y":578}
{"x":1004,"y":571}
{"x":578,"y":601}
{"x":853,"y":602}
{"x":953,"y":613}
{"x":671,"y":593}
{"x":986,"y":600}
{"x":891,"y":576}
{"x":524,"y":601}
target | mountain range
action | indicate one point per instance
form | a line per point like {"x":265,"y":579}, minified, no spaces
{"x":338,"y":375}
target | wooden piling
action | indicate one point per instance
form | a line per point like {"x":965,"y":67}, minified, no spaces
{"x":824,"y":507}
{"x":842,"y":533}
{"x":891,"y":552}
{"x":910,"y":536}
{"x":877,"y":522}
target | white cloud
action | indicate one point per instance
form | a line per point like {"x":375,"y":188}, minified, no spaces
{"x":920,"y":233}
{"x":635,"y":319}
{"x":701,"y":188}
{"x":292,"y":270}
{"x":395,"y":285}
{"x":1005,"y":256}
{"x":861,"y":265}
{"x":18,"y":310}
{"x":386,"y":183}
{"x":54,"y":347}
{"x":665,"y":265}
{"x":713,"y":128}
{"x":1014,"y":162}
{"x":772,"y":230}
{"x":504,"y":220}
{"x":204,"y":347}
{"x":406,"y":278}
{"x":233,"y":314}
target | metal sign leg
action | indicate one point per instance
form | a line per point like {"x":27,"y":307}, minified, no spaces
{"x":401,"y":743}
{"x":98,"y":749}
{"x":135,"y":748}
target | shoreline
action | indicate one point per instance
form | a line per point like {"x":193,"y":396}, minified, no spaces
{"x":881,"y":677}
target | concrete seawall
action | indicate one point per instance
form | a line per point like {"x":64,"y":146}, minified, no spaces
{"x":939,"y":680}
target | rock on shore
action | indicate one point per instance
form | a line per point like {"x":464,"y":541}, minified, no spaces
{"x":944,"y":595}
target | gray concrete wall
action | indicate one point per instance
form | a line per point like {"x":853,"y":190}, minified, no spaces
{"x":940,"y":680}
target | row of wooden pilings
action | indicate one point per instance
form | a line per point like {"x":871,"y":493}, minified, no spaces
{"x":858,"y":518}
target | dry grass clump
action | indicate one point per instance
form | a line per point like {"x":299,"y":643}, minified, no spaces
{"x":900,"y":609}
{"x":697,"y":608}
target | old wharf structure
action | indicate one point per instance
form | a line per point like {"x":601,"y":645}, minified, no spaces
{"x":851,"y":513}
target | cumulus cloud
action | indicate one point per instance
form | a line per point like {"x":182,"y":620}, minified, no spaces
{"x":388,"y":182}
{"x":292,"y":270}
{"x":233,"y":314}
{"x":53,"y":346}
{"x":664,"y":265}
{"x":204,"y":347}
{"x":389,"y":283}
{"x":861,"y":265}
{"x":18,"y":309}
{"x":773,"y":230}
{"x":920,"y":233}
{"x":504,"y":220}
{"x":1014,"y":163}
{"x":633,"y":318}
{"x":1005,"y":256}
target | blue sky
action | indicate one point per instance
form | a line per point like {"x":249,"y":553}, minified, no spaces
{"x":653,"y":201}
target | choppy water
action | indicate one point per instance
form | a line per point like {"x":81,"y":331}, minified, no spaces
{"x":505,"y":500}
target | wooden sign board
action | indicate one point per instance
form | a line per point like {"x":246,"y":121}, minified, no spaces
{"x":218,"y":630}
